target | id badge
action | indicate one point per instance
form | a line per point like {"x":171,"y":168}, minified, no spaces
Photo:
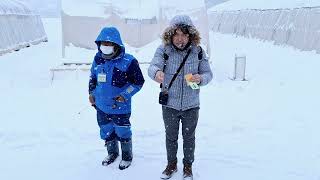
{"x":102,"y":77}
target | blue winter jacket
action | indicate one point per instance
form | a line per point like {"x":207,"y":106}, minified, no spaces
{"x":122,"y":76}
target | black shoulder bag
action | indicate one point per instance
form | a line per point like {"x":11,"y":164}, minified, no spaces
{"x":164,"y":95}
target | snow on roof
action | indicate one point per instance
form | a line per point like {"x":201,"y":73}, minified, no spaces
{"x":92,"y":8}
{"x":139,"y":9}
{"x":263,"y":4}
{"x":14,"y":7}
{"x":97,"y":8}
{"x":183,"y":4}
{"x":172,"y":8}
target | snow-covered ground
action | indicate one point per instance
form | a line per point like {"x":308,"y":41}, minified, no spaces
{"x":265,"y":128}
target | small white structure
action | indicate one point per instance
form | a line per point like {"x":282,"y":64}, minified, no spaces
{"x":19,"y":26}
{"x":240,"y":62}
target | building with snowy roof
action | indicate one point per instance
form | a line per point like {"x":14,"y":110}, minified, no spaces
{"x":20,"y":26}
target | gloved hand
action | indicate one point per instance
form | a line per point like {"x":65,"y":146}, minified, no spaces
{"x":92,"y":99}
{"x":119,"y":98}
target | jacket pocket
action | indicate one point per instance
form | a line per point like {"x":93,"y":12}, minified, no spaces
{"x":119,"y":78}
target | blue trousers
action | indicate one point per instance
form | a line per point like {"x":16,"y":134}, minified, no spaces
{"x":114,"y":126}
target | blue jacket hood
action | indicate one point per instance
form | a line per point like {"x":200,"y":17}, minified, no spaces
{"x":110,"y":34}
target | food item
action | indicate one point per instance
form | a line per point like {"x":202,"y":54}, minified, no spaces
{"x":193,"y":85}
{"x":188,"y":77}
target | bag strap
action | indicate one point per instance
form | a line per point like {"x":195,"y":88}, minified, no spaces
{"x":179,"y":69}
{"x":165,"y":58}
{"x":200,"y":54}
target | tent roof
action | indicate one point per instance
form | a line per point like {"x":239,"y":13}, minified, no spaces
{"x":92,"y":8}
{"x":97,"y":8}
{"x":262,"y":4}
{"x":139,"y":9}
{"x":14,"y":7}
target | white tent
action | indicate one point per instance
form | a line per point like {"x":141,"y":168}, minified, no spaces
{"x":289,"y":23}
{"x":19,"y":26}
{"x":139,"y":21}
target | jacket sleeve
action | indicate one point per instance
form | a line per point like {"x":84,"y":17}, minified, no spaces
{"x":135,"y":78}
{"x":157,"y":63}
{"x":93,"y":78}
{"x":205,"y":70}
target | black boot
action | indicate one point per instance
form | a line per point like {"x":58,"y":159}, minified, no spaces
{"x":170,"y":170}
{"x":187,"y":172}
{"x":126,"y":148}
{"x":109,"y":159}
{"x":113,"y":152}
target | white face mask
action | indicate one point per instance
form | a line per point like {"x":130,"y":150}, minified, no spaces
{"x":107,"y":49}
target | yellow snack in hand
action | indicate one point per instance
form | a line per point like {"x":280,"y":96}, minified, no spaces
{"x":193,"y":85}
{"x":188,"y":77}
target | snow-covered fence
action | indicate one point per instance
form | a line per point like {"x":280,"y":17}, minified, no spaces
{"x":70,"y":66}
{"x":19,"y":26}
{"x":299,"y":27}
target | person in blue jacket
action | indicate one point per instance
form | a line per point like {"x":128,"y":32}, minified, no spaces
{"x":115,"y":78}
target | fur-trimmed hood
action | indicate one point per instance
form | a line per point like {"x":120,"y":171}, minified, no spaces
{"x":177,"y":21}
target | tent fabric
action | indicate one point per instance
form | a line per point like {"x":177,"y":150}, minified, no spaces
{"x":299,"y":27}
{"x":14,"y":7}
{"x":136,"y":31}
{"x":19,"y":26}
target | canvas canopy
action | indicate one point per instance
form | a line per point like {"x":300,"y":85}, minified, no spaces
{"x":232,"y":5}
{"x":139,"y":21}
{"x":19,"y":26}
{"x":297,"y":27}
{"x":14,"y":7}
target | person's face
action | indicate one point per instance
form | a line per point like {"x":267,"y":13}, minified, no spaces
{"x":180,"y":39}
{"x":107,"y":47}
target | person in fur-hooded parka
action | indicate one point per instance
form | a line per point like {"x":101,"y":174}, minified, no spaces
{"x":181,"y":40}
